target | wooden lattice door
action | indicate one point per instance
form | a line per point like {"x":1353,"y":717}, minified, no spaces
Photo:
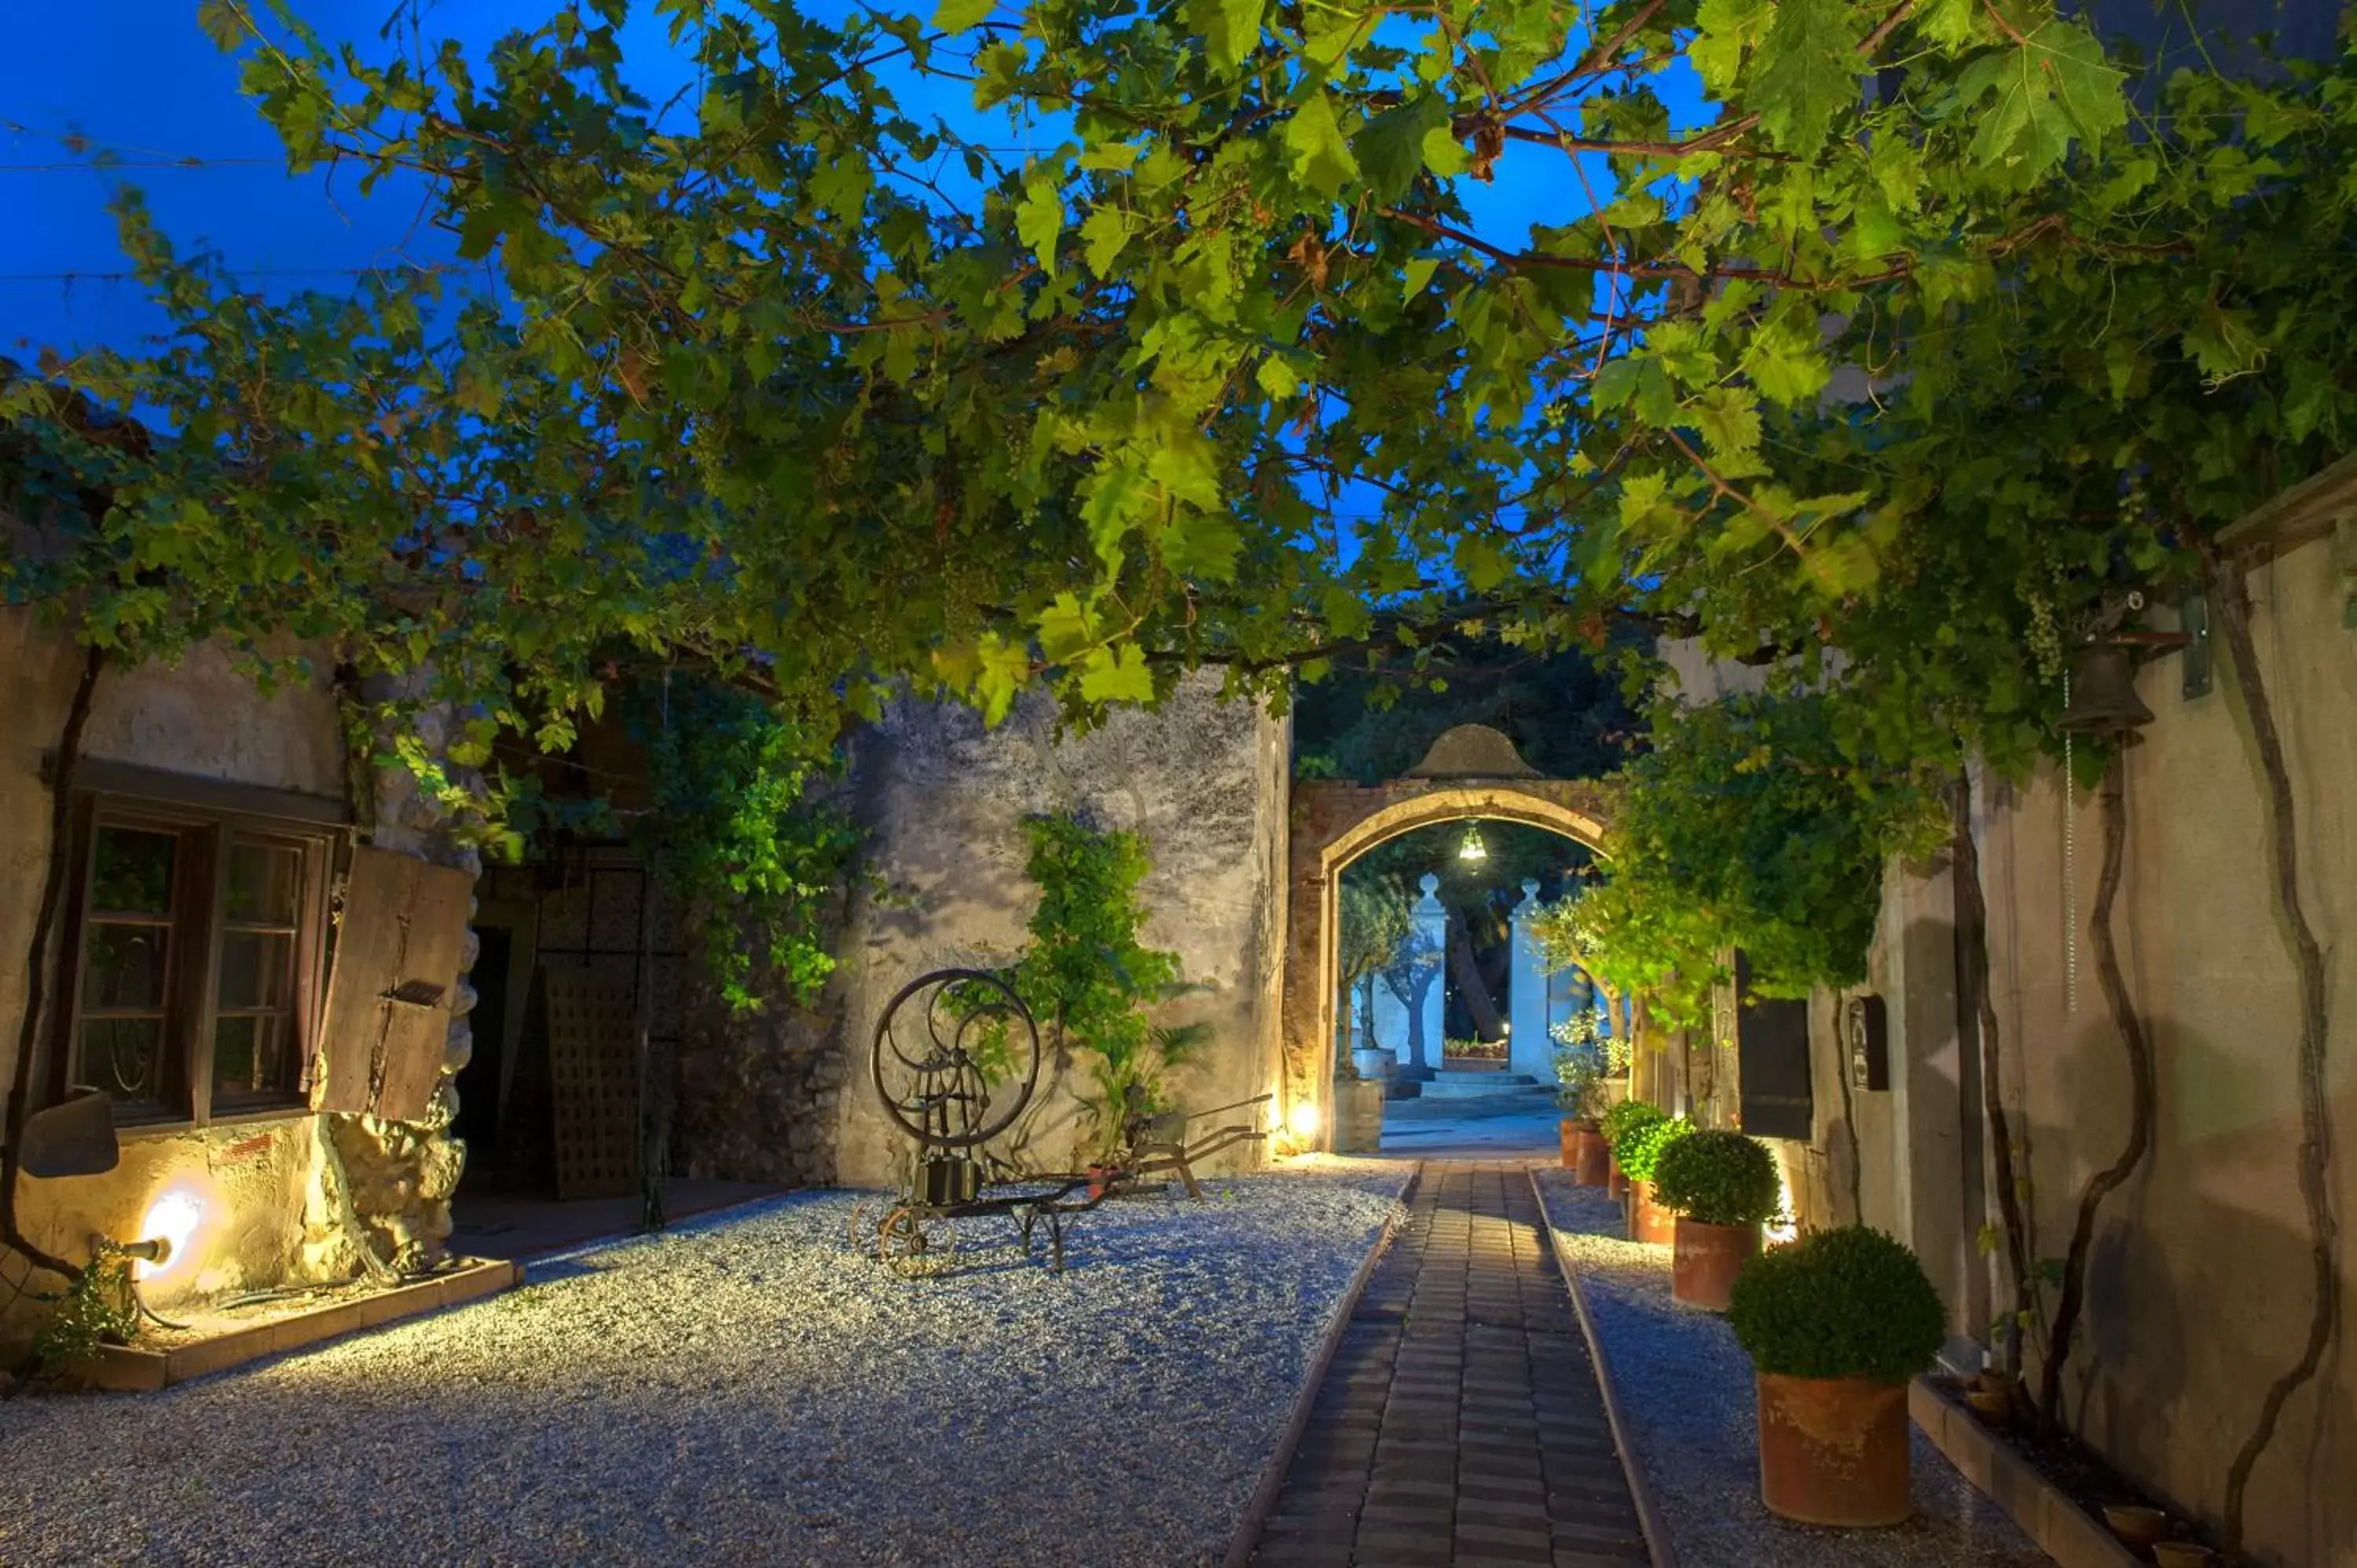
{"x":594,"y":1081}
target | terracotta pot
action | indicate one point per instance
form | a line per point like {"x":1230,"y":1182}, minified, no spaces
{"x":1595,"y":1167}
{"x":1648,"y":1221}
{"x":2182,"y":1554}
{"x":1997,"y":1408}
{"x":1616,"y":1180}
{"x":2136,"y":1524}
{"x":1833,"y":1451}
{"x":1572,"y":1132}
{"x":1707,"y":1260}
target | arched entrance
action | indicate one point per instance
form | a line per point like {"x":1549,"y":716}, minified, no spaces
{"x":1472,"y":771}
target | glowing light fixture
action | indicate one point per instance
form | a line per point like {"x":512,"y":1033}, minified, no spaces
{"x":166,"y":1234}
{"x":1302,"y":1119}
{"x":1472,"y":849}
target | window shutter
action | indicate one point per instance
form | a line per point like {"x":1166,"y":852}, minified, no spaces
{"x":389,"y":997}
{"x":1771,"y":1049}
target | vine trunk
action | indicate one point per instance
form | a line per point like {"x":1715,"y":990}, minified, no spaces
{"x":2106,"y":1182}
{"x":1973,"y":910}
{"x":37,"y":967}
{"x":2232,"y":597}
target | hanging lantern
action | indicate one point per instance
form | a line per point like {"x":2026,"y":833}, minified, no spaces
{"x":2104,"y":700}
{"x":1472,"y":849}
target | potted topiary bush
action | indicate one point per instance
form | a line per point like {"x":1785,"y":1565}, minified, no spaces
{"x":1722,"y":1187}
{"x":1619,"y":1125}
{"x":1648,"y":1221}
{"x":1835,"y":1324}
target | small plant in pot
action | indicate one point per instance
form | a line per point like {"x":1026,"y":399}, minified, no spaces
{"x":1639,"y":1159}
{"x":1723,"y":1187}
{"x":1621,"y":1123}
{"x":1835,"y":1324}
{"x":1579,"y":1095}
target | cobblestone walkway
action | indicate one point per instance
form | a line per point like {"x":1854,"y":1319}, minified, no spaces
{"x":1461,"y":1423}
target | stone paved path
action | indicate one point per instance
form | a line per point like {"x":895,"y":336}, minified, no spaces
{"x":1461,"y":1423}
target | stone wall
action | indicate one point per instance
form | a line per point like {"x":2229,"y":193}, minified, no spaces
{"x":945,"y":801}
{"x":758,"y":1093}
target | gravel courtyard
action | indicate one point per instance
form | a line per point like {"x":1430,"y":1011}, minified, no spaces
{"x":746,"y":1391}
{"x":1686,"y":1388}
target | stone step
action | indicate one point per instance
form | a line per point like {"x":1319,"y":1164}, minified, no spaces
{"x":1447,"y":1084}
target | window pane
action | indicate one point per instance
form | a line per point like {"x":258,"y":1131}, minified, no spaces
{"x":250,"y":1056}
{"x":120,"y":1055}
{"x":254,"y":969}
{"x":124,"y":966}
{"x":131,"y":871}
{"x":265,"y":882}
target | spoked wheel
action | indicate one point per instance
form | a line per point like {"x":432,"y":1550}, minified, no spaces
{"x":868,"y":1218}
{"x":955,"y":1058}
{"x":916,"y":1247}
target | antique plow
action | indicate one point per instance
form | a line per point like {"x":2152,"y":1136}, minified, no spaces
{"x":954,"y":1062}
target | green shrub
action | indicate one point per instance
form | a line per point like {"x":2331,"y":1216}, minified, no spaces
{"x":1643,"y":1152}
{"x":1851,"y":1303}
{"x":1719,"y":1178}
{"x":1626,"y":1118}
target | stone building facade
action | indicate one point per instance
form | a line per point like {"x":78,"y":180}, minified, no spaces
{"x":189,"y":973}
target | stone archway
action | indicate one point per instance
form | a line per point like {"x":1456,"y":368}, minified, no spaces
{"x":1472,"y":771}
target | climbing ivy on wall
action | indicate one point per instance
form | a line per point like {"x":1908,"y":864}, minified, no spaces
{"x":1088,"y":974}
{"x":735,"y":835}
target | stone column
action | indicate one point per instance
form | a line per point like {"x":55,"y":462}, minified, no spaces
{"x":1528,"y":1050}
{"x":1428,"y":941}
{"x":1393,"y":1023}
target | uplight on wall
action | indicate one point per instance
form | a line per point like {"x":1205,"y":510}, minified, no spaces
{"x":167,"y":1235}
{"x":1302,"y":1121}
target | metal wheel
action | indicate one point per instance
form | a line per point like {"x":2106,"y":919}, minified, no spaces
{"x":914,"y":1246}
{"x":868,"y":1218}
{"x":955,"y":1058}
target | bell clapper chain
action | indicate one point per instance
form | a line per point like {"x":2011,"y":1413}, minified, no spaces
{"x":2070,"y":866}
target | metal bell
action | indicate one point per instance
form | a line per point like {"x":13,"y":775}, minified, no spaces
{"x":2103,"y":693}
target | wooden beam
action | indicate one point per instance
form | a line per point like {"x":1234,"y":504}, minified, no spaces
{"x":225,"y":795}
{"x":2300,"y":515}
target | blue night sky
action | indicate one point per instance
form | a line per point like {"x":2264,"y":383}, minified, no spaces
{"x":138,"y":80}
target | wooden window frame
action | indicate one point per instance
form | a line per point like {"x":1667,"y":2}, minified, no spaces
{"x":206,"y":817}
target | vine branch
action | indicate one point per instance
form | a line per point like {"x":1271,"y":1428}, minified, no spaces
{"x":37,"y":967}
{"x":2233,"y":596}
{"x":2104,"y":1183}
{"x":1972,"y":911}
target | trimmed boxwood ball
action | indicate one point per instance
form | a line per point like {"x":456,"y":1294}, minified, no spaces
{"x":1626,"y":1118}
{"x":1851,"y":1303}
{"x":1638,"y":1160}
{"x":1719,"y":1178}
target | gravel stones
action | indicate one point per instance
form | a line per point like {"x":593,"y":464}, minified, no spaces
{"x":747,"y":1390}
{"x":1685,"y":1395}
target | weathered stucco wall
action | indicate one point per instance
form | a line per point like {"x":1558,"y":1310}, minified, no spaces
{"x":2199,"y":1288}
{"x":2199,"y":1284}
{"x":1902,"y":1158}
{"x":2199,"y":1292}
{"x":945,"y":799}
{"x":201,"y":718}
